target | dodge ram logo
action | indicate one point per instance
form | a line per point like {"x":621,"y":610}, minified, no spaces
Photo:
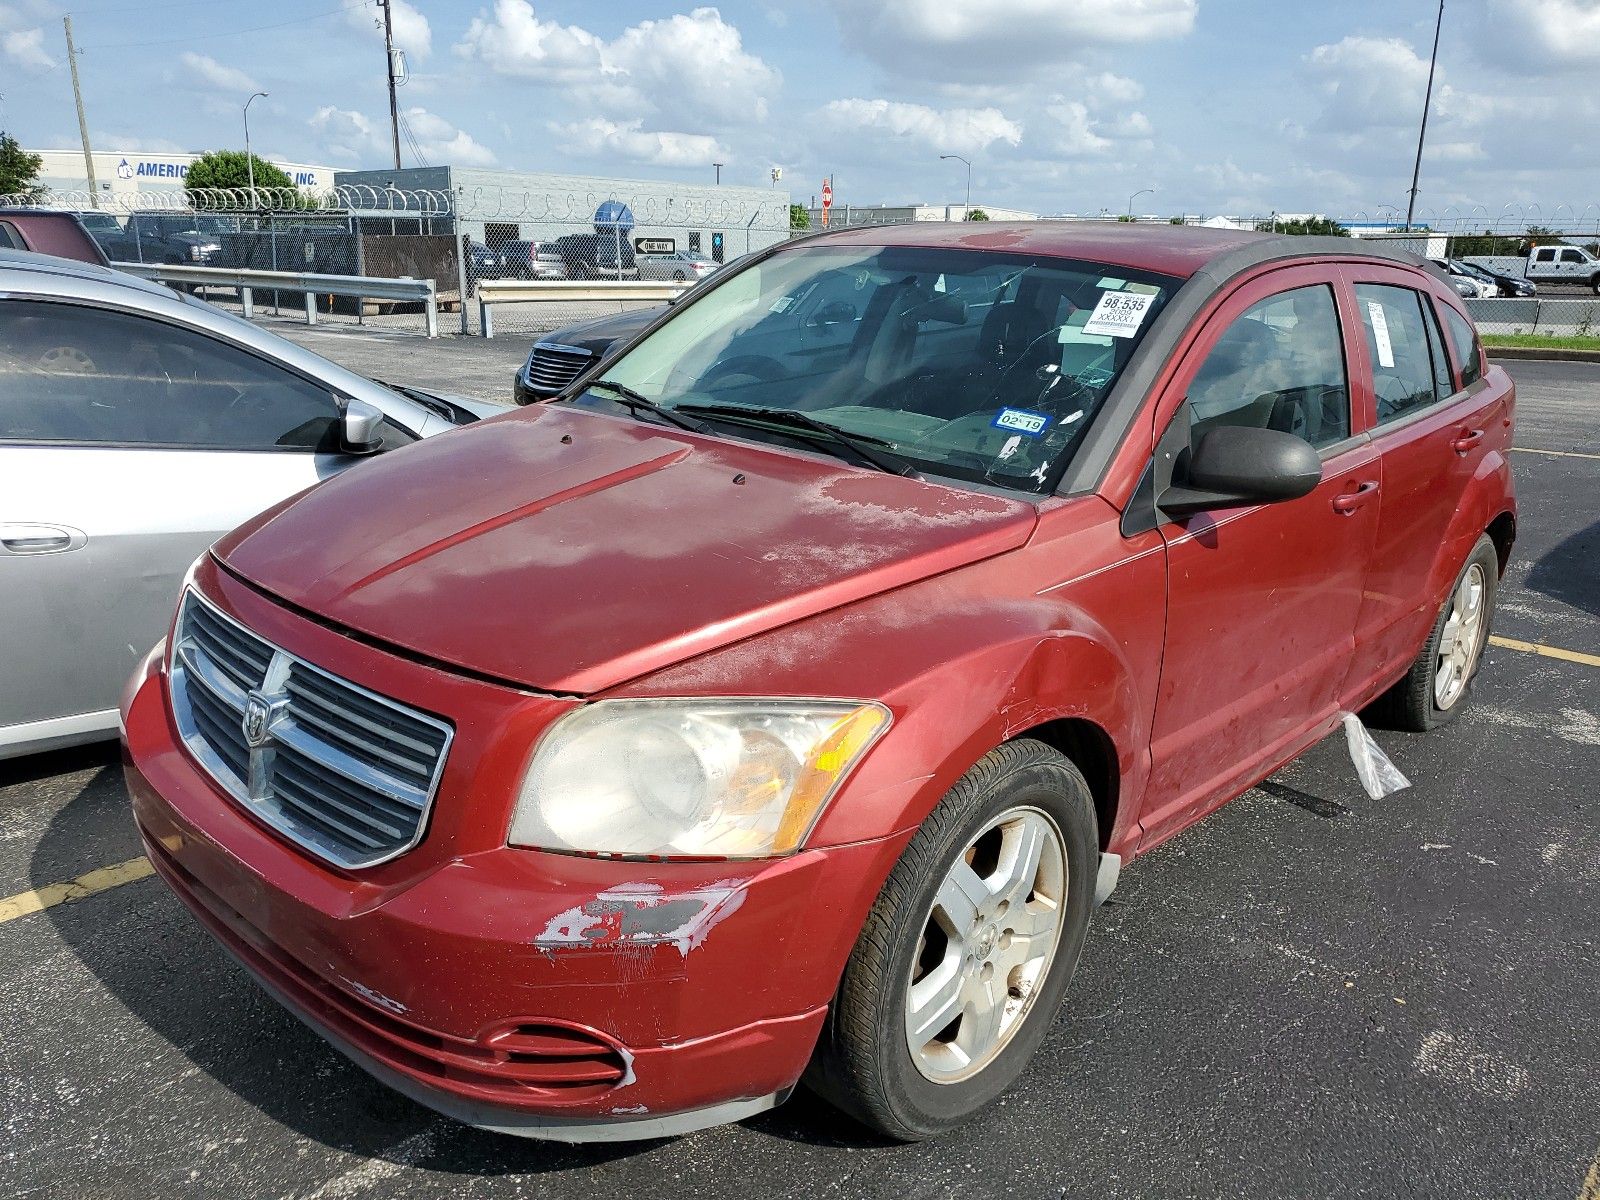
{"x":257,"y":715}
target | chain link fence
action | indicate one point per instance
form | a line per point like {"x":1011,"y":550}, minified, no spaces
{"x":464,"y":237}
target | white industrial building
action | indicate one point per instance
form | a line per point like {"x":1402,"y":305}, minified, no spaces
{"x":722,"y":221}
{"x":122,"y":175}
{"x":900,"y":214}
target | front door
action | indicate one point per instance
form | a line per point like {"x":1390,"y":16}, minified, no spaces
{"x":1262,"y":600}
{"x":127,"y":445}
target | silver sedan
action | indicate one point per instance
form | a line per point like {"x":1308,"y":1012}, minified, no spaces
{"x":136,"y":426}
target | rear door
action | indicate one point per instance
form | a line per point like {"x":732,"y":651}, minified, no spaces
{"x":1262,"y":601}
{"x":1430,"y":419}
{"x":127,"y":445}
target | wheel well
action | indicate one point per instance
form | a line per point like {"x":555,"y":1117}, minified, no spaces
{"x":1503,"y":531}
{"x":1091,"y":750}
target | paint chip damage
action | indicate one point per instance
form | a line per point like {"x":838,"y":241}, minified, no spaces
{"x":643,"y":914}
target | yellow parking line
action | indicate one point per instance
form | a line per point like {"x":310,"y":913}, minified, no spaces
{"x":1553,"y":453}
{"x":1588,"y":660}
{"x":101,"y":879}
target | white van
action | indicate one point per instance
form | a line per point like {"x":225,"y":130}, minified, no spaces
{"x":1564,"y":264}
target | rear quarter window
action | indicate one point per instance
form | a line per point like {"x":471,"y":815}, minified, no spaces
{"x":1464,"y":342}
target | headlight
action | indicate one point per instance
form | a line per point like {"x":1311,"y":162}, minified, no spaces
{"x":690,"y":778}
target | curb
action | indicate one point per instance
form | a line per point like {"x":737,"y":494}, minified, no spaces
{"x":1542,"y":354}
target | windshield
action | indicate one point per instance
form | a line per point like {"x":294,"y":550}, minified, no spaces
{"x":969,"y":365}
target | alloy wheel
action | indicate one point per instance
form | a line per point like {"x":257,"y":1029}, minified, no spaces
{"x":1461,"y":640}
{"x":987,"y":945}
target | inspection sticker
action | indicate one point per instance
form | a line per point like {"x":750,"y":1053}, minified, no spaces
{"x":1380,"y":333}
{"x":1031,"y":424}
{"x":1119,"y":314}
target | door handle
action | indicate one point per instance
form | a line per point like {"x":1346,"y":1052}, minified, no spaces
{"x":39,"y":539}
{"x":1467,"y":441}
{"x":1348,"y":502}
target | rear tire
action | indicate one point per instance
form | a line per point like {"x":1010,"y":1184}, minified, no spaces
{"x":983,"y":917}
{"x":1439,"y":684}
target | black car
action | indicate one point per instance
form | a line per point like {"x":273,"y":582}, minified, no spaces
{"x":1506,"y":285}
{"x":596,"y":256}
{"x":562,"y":354}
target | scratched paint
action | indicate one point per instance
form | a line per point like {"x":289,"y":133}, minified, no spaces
{"x":644,"y":914}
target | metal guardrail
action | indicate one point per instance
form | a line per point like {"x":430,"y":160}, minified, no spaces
{"x":248,"y":282}
{"x":514,"y":291}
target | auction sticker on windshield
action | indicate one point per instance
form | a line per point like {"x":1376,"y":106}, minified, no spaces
{"x":1119,"y":314}
{"x":1022,"y":421}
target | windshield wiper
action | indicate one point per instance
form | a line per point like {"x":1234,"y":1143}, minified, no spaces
{"x":862,"y":445}
{"x":637,"y":402}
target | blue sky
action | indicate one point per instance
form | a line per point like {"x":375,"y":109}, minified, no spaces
{"x":1063,"y":105}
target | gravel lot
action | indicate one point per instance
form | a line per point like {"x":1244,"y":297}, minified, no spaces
{"x":1311,"y":993}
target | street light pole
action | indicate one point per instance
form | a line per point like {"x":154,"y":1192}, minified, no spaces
{"x":249,"y":161}
{"x":966,"y":212}
{"x":1135,"y":196}
{"x":1427,"y":103}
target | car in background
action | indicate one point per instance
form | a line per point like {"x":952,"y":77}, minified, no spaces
{"x":779,"y":704}
{"x":160,"y":236}
{"x":683,"y":265}
{"x":1469,"y":285}
{"x":484,"y":263}
{"x":1509,"y":286}
{"x":532,"y":260}
{"x":49,"y":231}
{"x":561,"y":355}
{"x":1564,"y":264}
{"x":596,"y":256}
{"x":137,"y":425}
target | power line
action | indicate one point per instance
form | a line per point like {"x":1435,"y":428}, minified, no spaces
{"x":201,"y":37}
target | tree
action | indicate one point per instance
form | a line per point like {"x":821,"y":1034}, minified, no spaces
{"x":1539,"y":235}
{"x":1303,"y":226}
{"x":799,"y":217}
{"x":19,"y":170}
{"x":1486,"y":245}
{"x":976,"y":214}
{"x":227,"y":169}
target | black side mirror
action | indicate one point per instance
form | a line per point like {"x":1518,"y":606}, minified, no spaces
{"x":1236,"y":465}
{"x":359,"y":424}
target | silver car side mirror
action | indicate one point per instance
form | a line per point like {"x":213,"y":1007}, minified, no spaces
{"x":358,"y":427}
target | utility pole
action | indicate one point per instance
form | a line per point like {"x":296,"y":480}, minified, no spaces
{"x":1427,"y":103}
{"x":719,"y":167}
{"x":83,"y":124}
{"x":388,"y":67}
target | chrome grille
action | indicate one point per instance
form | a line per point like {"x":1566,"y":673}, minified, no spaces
{"x":346,"y":773}
{"x":552,"y":366}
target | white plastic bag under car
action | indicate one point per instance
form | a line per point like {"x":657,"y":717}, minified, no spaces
{"x":1377,"y":774}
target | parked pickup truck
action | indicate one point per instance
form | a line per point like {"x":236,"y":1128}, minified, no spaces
{"x":1564,"y":264}
{"x":173,"y":237}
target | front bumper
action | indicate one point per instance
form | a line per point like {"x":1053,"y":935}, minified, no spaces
{"x":546,"y":995}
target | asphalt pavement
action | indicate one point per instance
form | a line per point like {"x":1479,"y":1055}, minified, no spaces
{"x":1310,"y":993}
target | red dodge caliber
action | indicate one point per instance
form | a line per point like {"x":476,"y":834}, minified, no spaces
{"x":777,"y":703}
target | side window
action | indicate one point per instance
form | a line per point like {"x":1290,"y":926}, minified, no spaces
{"x":1281,"y":366}
{"x":9,"y":237}
{"x":1464,"y":340}
{"x":1404,"y":374}
{"x":86,"y":375}
{"x":1571,"y":256}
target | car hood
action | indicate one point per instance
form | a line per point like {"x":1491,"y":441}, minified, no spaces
{"x":603,"y":332}
{"x":571,"y":551}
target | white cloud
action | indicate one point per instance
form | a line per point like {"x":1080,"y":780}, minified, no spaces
{"x":411,"y":30}
{"x":600,"y":138}
{"x":348,"y":136}
{"x":978,"y":40}
{"x":1370,"y":83}
{"x":516,"y":42}
{"x":210,"y":73}
{"x":687,"y":69}
{"x":1544,"y":34}
{"x":25,"y":47}
{"x":951,"y":130}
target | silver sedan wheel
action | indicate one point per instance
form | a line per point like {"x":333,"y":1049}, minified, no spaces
{"x":1462,"y":639}
{"x":987,"y":945}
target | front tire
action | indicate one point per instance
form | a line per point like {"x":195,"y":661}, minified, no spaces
{"x":1439,"y":684}
{"x":963,"y":961}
